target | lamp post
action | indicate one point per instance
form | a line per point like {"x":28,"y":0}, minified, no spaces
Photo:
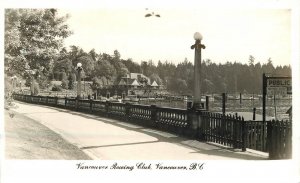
{"x":197,"y":70}
{"x":79,"y":69}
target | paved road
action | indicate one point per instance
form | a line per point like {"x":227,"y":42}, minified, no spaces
{"x":108,"y":139}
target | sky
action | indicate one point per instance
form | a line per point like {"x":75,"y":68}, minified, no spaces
{"x":229,"y":34}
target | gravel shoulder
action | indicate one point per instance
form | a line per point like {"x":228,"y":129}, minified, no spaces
{"x":28,"y":139}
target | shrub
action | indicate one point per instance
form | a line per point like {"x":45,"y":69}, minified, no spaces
{"x":64,"y":83}
{"x":56,"y":88}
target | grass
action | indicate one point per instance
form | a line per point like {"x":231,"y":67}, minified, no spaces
{"x":28,"y":139}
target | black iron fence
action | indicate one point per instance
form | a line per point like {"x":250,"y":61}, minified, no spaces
{"x":257,"y":135}
{"x":229,"y":130}
{"x":279,"y":139}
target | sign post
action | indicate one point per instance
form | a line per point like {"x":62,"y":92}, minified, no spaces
{"x":264,"y":97}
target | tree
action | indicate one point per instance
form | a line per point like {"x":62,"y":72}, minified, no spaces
{"x":155,"y":77}
{"x":63,"y":76}
{"x":64,"y":65}
{"x":97,"y":83}
{"x":117,"y":55}
{"x":251,"y":60}
{"x":93,"y":54}
{"x":64,"y":83}
{"x":103,"y":68}
{"x":71,"y":80}
{"x":33,"y":38}
{"x":87,"y":64}
{"x":121,"y":69}
{"x":181,"y":85}
{"x":132,"y":66}
{"x":75,"y":53}
{"x":148,"y":68}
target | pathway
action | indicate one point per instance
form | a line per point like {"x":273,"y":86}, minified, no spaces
{"x":103,"y":138}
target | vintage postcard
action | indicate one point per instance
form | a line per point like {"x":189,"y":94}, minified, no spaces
{"x":150,"y":88}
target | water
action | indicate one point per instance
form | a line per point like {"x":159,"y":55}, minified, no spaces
{"x":280,"y":106}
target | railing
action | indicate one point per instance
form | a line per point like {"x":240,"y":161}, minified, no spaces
{"x":144,"y":114}
{"x":98,"y":107}
{"x":228,"y":130}
{"x":84,"y":105}
{"x":70,"y":103}
{"x":168,"y":119}
{"x":116,"y":110}
{"x":179,"y":121}
{"x":174,"y":120}
{"x":51,"y":100}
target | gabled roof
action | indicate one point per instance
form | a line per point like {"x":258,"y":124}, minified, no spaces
{"x":154,"y":83}
{"x":137,"y":75}
{"x":135,"y":83}
{"x":289,"y":111}
{"x":122,"y":82}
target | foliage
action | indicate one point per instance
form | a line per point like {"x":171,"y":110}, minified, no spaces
{"x":56,"y":88}
{"x":63,"y":65}
{"x":87,"y":64}
{"x":71,"y":80}
{"x":104,"y":69}
{"x":97,"y":83}
{"x":33,"y":38}
{"x":155,"y":77}
{"x":64,"y":83}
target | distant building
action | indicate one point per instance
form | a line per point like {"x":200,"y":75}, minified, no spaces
{"x":137,"y":80}
{"x":134,"y":84}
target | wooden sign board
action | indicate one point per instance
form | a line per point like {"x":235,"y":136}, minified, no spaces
{"x":276,"y":91}
{"x":279,"y":86}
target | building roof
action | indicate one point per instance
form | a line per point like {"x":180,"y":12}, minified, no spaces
{"x":137,"y":76}
{"x":289,"y":111}
{"x":154,"y":84}
{"x":122,"y":82}
{"x":135,"y":83}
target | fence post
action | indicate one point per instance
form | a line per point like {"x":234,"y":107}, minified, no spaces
{"x":245,"y":134}
{"x":66,"y":102}
{"x":240,"y":98}
{"x":153,"y":110}
{"x":127,"y":111}
{"x":254,"y":113}
{"x":269,"y":139}
{"x":235,"y":123}
{"x":289,"y":140}
{"x":207,"y":102}
{"x":56,"y":99}
{"x":91,"y":105}
{"x":194,"y":123}
{"x":76,"y":104}
{"x":189,"y":105}
{"x":107,"y":108}
{"x":223,"y":103}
